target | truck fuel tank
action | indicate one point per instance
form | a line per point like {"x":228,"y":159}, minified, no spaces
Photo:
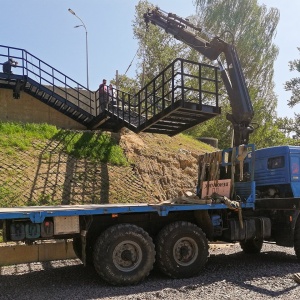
{"x":259,"y":227}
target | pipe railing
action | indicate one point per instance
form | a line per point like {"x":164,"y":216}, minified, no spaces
{"x":182,"y":80}
{"x":49,"y":77}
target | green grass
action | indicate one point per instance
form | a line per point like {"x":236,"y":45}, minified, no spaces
{"x":6,"y":194}
{"x":96,"y":146}
{"x":192,"y":141}
{"x":20,"y":136}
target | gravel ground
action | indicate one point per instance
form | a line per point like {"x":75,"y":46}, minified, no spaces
{"x":229,"y":274}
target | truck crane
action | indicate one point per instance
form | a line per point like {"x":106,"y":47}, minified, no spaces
{"x":243,"y":195}
{"x":231,"y":72}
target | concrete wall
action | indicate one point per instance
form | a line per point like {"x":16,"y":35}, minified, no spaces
{"x":11,"y":254}
{"x":28,"y":109}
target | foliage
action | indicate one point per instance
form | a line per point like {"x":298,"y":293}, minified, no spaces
{"x":293,"y":85}
{"x":157,"y":49}
{"x":218,"y":128}
{"x":290,"y":127}
{"x":252,"y":28}
{"x":126,"y":84}
{"x":191,"y":141}
{"x":269,"y":134}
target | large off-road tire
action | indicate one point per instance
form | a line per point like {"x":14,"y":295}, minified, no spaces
{"x":124,"y":254}
{"x":182,"y":250}
{"x":297,"y":238}
{"x":252,"y":246}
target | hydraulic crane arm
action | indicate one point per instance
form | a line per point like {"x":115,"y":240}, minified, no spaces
{"x":232,"y":75}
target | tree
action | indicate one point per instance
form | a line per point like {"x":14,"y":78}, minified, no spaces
{"x":157,"y":49}
{"x":252,"y":28}
{"x":290,"y":128}
{"x":126,"y":84}
{"x":293,"y":85}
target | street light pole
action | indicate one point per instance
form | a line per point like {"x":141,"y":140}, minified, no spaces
{"x":86,"y":45}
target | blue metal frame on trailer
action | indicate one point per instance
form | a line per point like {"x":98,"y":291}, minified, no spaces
{"x":37,"y":214}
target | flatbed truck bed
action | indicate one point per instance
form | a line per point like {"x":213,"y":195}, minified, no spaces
{"x":37,"y":214}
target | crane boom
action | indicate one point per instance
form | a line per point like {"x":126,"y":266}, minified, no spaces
{"x":232,"y":75}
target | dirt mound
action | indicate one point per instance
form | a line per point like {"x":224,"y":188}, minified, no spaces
{"x":161,"y":168}
{"x":166,"y":165}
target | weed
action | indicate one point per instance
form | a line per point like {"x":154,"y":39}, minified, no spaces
{"x":46,"y":156}
{"x":6,"y":194}
{"x":44,"y":199}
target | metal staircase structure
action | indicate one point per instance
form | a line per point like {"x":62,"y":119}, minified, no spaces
{"x":183,"y":95}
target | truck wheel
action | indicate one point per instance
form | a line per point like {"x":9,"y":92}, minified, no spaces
{"x":297,"y":238}
{"x":124,"y":254}
{"x":252,"y":246}
{"x":182,"y":250}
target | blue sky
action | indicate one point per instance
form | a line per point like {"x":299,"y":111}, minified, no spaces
{"x":287,"y":39}
{"x":46,"y":29}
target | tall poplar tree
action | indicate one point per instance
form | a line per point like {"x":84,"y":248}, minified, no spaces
{"x":293,"y":86}
{"x":252,"y":28}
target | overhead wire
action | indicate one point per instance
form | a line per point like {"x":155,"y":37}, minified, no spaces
{"x":132,"y":61}
{"x":134,"y":58}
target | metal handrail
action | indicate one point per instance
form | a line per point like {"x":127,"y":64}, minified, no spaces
{"x":182,"y":80}
{"x":46,"y":75}
{"x":168,"y":87}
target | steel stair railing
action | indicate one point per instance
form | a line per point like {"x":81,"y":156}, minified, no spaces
{"x":40,"y":77}
{"x":184,"y":94}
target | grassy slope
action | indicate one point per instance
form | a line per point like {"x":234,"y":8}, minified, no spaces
{"x":42,"y":165}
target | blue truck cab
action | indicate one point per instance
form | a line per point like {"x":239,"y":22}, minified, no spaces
{"x":277,"y":172}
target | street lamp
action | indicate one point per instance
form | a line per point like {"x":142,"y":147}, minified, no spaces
{"x":86,"y":46}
